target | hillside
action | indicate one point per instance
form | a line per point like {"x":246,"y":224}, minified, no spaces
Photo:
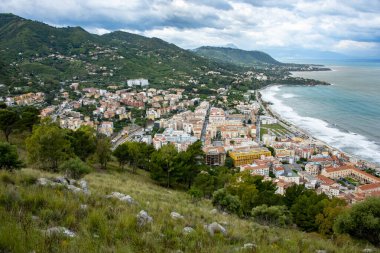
{"x":44,"y":54}
{"x":237,"y":56}
{"x":28,"y":210}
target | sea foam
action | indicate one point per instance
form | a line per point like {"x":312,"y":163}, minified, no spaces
{"x":349,"y":142}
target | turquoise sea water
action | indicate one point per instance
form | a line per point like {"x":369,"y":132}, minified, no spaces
{"x":345,"y":115}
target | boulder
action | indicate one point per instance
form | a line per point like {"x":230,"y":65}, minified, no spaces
{"x":127,"y":199}
{"x":143,"y":218}
{"x":59,"y":231}
{"x":121,"y":197}
{"x":367,"y":250}
{"x":176,"y":216}
{"x":321,"y":251}
{"x":74,"y":189}
{"x":214,"y":211}
{"x":43,"y":181}
{"x":249,"y":246}
{"x":62,"y":180}
{"x":216,"y":228}
{"x":188,"y":230}
{"x":83,"y":184}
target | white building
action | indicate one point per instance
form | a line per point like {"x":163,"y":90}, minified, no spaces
{"x":138,"y":82}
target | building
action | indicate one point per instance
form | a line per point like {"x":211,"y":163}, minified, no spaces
{"x":259,"y":168}
{"x":349,"y":171}
{"x":180,"y":139}
{"x":215,"y":155}
{"x":106,"y":128}
{"x":313,"y":168}
{"x":248,"y":157}
{"x":290,"y":177}
{"x":138,"y":82}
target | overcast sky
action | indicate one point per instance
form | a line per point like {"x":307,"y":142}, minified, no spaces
{"x":350,"y":27}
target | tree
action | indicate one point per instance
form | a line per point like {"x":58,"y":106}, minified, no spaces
{"x":306,"y":208}
{"x":292,"y":193}
{"x":122,"y":154}
{"x":83,"y":142}
{"x":75,"y":168}
{"x":48,"y":146}
{"x":361,"y":221}
{"x":272,"y":215}
{"x":229,"y":162}
{"x":326,"y":219}
{"x":9,"y":157}
{"x":103,"y":151}
{"x":28,"y":117}
{"x":8,"y":122}
{"x":226,"y":202}
{"x":190,"y":163}
{"x":163,"y":167}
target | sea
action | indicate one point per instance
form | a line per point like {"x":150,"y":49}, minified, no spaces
{"x":345,"y":115}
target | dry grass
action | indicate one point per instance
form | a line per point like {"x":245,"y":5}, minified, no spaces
{"x":108,"y":225}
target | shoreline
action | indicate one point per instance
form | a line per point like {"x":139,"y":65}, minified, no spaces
{"x":292,"y":127}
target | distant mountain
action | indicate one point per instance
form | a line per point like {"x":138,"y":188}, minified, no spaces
{"x":237,"y":56}
{"x":42,"y":53}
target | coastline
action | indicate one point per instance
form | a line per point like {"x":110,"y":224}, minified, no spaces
{"x":292,"y":127}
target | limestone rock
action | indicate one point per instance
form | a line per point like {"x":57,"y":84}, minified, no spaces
{"x":143,"y":218}
{"x":249,"y":246}
{"x":176,"y":216}
{"x":74,"y":189}
{"x":188,"y":230}
{"x":214,"y":211}
{"x":216,"y":228}
{"x":321,"y":251}
{"x":59,"y":231}
{"x":121,"y":197}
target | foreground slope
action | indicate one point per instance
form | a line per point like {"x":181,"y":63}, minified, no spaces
{"x":109,"y":225}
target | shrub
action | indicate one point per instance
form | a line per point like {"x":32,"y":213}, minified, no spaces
{"x":272,"y":215}
{"x":75,"y":168}
{"x":9,"y":157}
{"x":361,"y":221}
{"x":226,"y":201}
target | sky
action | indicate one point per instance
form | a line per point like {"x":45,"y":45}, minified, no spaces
{"x":285,"y":28}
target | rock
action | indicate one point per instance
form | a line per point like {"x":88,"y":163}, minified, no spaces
{"x":72,"y":181}
{"x":249,"y":246}
{"x":62,"y":180}
{"x":216,"y":228}
{"x":117,"y":195}
{"x":59,"y":230}
{"x":176,"y":216}
{"x":143,"y":218}
{"x":367,"y":250}
{"x":321,"y":251}
{"x":35,"y":218}
{"x":127,"y":199}
{"x":188,"y":230}
{"x":74,"y":189}
{"x":121,"y":197}
{"x":83,"y":207}
{"x":43,"y":181}
{"x":83,"y":184}
{"x":214,"y":211}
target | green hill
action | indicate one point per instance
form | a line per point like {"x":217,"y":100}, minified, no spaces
{"x":46,"y":54}
{"x":237,"y":56}
{"x":28,"y":210}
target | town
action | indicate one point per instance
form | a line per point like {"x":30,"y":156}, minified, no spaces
{"x":241,"y":132}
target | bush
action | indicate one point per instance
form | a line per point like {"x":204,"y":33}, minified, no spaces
{"x":273,"y":215}
{"x":361,"y":221}
{"x":75,"y":168}
{"x":226,"y":201}
{"x":9,"y":157}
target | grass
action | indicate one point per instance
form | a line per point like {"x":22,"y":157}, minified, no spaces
{"x":109,"y":225}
